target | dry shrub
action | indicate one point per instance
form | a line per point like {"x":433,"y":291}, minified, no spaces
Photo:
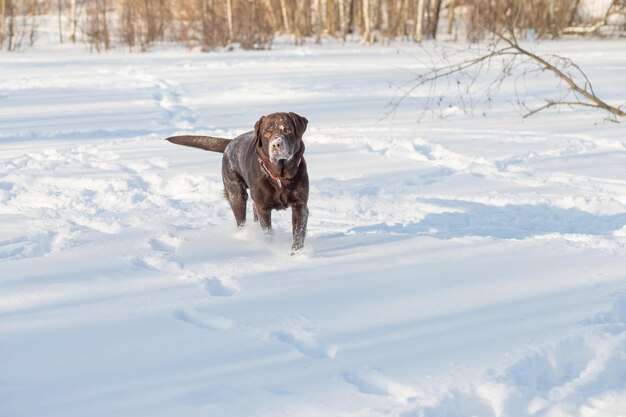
{"x":143,"y":22}
{"x":214,"y":24}
{"x":208,"y":24}
{"x":200,"y":23}
{"x":544,"y":18}
{"x":260,"y":33}
{"x":18,"y":23}
{"x":97,"y":26}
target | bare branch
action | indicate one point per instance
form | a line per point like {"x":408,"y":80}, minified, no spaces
{"x":514,"y":61}
{"x":559,"y":103}
{"x":588,"y":94}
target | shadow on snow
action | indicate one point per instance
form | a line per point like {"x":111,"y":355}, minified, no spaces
{"x":507,"y":222}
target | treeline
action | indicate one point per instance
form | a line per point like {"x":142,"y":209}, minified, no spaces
{"x":253,"y":24}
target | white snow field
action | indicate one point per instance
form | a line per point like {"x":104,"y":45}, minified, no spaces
{"x":458,"y":267}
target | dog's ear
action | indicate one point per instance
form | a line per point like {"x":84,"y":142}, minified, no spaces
{"x":299,"y":124}
{"x":257,"y":132}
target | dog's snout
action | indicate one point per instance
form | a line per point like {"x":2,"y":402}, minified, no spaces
{"x":279,"y":149}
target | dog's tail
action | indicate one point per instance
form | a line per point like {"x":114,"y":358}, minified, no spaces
{"x":208,"y":143}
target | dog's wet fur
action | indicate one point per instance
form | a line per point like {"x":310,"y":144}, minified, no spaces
{"x":269,"y":162}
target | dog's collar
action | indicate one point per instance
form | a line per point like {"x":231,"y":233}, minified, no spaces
{"x":277,"y":179}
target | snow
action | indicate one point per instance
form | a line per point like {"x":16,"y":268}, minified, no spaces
{"x":453,"y":267}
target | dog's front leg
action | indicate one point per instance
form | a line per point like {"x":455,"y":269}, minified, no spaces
{"x":299,"y":218}
{"x":255,"y":214}
{"x":264,"y":216}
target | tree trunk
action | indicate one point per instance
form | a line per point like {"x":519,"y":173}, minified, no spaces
{"x":450,"y":16}
{"x":385,"y":19}
{"x":272,"y":16}
{"x":434,"y":19}
{"x":342,"y":20}
{"x":3,"y":14}
{"x":419,"y":20}
{"x":161,"y":27}
{"x":11,"y":10}
{"x":315,"y":20}
{"x":323,"y":16}
{"x":73,"y":21}
{"x":367,"y":21}
{"x":105,"y":25}
{"x":149,"y":34}
{"x":33,"y":22}
{"x":60,"y":19}
{"x":229,"y":16}
{"x":401,"y":19}
{"x":283,"y":10}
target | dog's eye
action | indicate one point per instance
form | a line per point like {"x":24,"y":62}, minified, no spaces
{"x":287,"y":131}
{"x":267,"y":134}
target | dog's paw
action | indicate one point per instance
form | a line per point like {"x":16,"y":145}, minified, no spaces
{"x":301,"y":252}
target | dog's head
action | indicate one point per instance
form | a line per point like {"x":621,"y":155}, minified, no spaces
{"x":279,"y":138}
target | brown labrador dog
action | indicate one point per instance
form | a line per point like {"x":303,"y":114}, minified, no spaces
{"x":269,"y":162}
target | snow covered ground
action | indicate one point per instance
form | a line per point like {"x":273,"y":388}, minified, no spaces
{"x":459,"y":267}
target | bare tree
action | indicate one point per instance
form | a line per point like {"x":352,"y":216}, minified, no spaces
{"x":451,"y":6}
{"x":316,"y":20}
{"x":211,"y":24}
{"x":126,"y":23}
{"x":18,"y":22}
{"x":97,"y":25}
{"x":72,"y":21}
{"x":419,"y":21}
{"x":229,"y":17}
{"x":60,"y":19}
{"x":285,"y":16}
{"x":259,"y":36}
{"x":3,"y":19}
{"x":343,"y":22}
{"x":33,"y":22}
{"x":582,"y":93}
{"x":504,"y":58}
{"x":367,"y":21}
{"x":142,"y":22}
{"x":543,"y":18}
{"x":433,"y":18}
